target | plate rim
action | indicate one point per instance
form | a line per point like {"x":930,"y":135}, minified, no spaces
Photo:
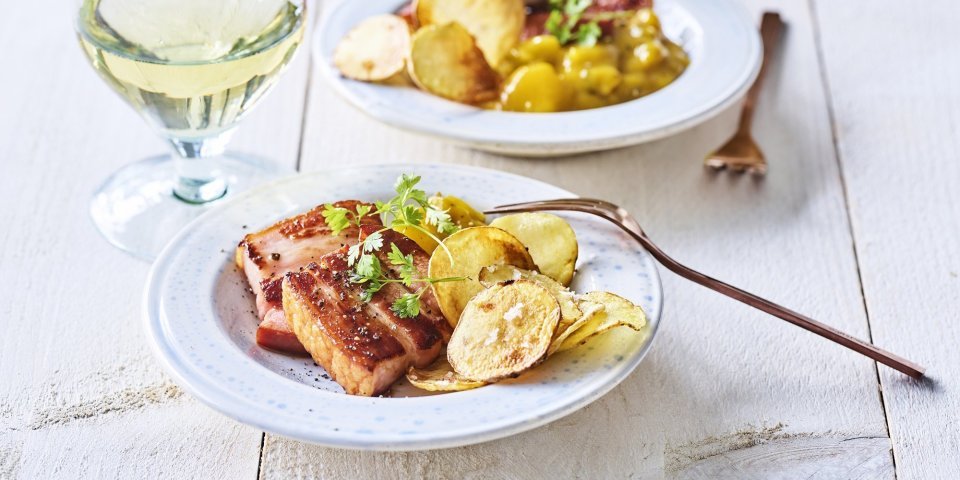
{"x":571,"y":144}
{"x":172,"y":365}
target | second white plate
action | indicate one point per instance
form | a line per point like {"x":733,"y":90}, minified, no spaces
{"x":725,"y":53}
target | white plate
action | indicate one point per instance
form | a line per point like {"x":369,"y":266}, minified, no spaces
{"x":200,"y":323}
{"x":725,"y":53}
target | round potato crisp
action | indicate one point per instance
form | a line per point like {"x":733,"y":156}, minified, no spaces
{"x":375,"y":50}
{"x":445,"y":61}
{"x":550,"y":239}
{"x":471,"y":250}
{"x":496,"y":24}
{"x":504,"y":331}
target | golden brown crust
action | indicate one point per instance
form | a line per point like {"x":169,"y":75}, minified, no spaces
{"x":357,"y":352}
{"x":265,"y":256}
{"x":429,"y":308}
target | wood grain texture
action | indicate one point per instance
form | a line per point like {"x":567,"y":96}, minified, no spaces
{"x":80,"y":395}
{"x":798,"y":457}
{"x":718,"y":369}
{"x":897,"y":107}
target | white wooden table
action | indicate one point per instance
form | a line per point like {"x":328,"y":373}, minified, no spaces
{"x":856,"y":224}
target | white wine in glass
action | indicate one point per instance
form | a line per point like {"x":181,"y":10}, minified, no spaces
{"x":192,"y":69}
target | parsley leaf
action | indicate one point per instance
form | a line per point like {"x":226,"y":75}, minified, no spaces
{"x":337,"y":218}
{"x":411,"y":214}
{"x":556,"y":27}
{"x":353,"y":254}
{"x":564,"y":22}
{"x":368,"y":268}
{"x":405,"y":183}
{"x":587,"y":34}
{"x":407,"y":305}
{"x":373,"y":242}
{"x":367,"y":294}
{"x":395,"y":256}
{"x":410,"y":208}
{"x":405,"y":262}
{"x":576,"y":7}
{"x":362,"y":210}
{"x":441,"y":220}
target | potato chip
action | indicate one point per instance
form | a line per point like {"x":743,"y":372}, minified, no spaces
{"x":461,"y":212}
{"x":374,"y":50}
{"x":625,"y":312}
{"x":569,"y":310}
{"x":470,"y":250}
{"x":503,"y":331}
{"x":617,"y":311}
{"x":496,"y":24}
{"x":550,"y":239}
{"x":589,"y":320}
{"x":440,"y":377}
{"x":445,"y":61}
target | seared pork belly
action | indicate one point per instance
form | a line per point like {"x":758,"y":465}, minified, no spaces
{"x":419,"y":337}
{"x":355,"y":340}
{"x":287,"y":246}
{"x":429,"y":308}
{"x":356,"y":350}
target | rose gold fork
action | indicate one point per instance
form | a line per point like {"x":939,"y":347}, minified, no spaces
{"x":628,"y":224}
{"x":741,"y":152}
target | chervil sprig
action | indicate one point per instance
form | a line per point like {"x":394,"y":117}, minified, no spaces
{"x":339,"y":218}
{"x":410,"y":208}
{"x":369,"y":273}
{"x":404,"y":262}
{"x":563,"y":22}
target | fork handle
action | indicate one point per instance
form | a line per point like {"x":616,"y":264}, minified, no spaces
{"x":633,"y":229}
{"x":762,"y":304}
{"x":770,"y":27}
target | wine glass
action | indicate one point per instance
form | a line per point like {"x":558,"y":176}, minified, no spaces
{"x":192,"y":69}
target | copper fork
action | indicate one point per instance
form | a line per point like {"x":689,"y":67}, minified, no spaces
{"x":741,"y":152}
{"x":622,"y":219}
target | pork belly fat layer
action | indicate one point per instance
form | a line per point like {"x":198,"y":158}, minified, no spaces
{"x":275,"y":333}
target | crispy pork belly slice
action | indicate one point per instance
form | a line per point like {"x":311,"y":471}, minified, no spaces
{"x":429,"y":308}
{"x":286,"y":246}
{"x":418,"y":335}
{"x":356,"y":350}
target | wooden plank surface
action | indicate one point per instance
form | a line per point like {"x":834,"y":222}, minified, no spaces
{"x":80,"y":394}
{"x":895,"y":91}
{"x":726,"y":392}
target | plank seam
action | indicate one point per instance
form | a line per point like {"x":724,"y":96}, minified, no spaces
{"x":306,"y":94}
{"x":263,"y":440}
{"x":303,"y":113}
{"x":831,"y":115}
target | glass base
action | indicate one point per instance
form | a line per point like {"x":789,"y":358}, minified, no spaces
{"x":137,"y":211}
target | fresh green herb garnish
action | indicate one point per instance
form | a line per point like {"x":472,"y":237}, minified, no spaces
{"x":410,"y":208}
{"x":563,"y":22}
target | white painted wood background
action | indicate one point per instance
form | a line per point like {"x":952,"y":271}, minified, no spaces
{"x":856,"y":224}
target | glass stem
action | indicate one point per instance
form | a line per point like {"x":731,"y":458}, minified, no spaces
{"x":200,"y":178}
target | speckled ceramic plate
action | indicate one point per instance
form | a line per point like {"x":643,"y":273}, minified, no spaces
{"x":200,"y":322}
{"x":725,"y":53}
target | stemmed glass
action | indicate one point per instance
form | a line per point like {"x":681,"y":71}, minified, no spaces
{"x":192,"y":69}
